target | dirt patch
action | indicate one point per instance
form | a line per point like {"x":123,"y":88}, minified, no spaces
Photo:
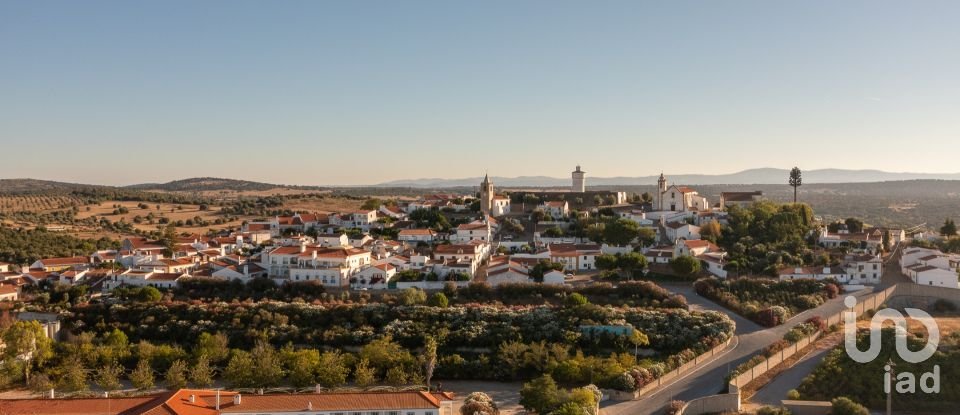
{"x":947,"y":323}
{"x":322,"y":205}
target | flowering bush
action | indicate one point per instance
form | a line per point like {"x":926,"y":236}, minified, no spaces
{"x":768,"y":302}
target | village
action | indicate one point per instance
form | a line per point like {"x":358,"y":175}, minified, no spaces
{"x":338,"y":251}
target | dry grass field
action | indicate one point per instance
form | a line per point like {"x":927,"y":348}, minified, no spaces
{"x":237,"y":194}
{"x":173,"y":212}
{"x":30,"y":211}
{"x":946,"y":323}
{"x":324,"y":205}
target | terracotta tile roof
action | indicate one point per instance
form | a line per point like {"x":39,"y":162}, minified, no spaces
{"x":75,"y":260}
{"x":472,"y":226}
{"x":84,"y":406}
{"x":700,"y":243}
{"x":416,"y":232}
{"x":258,"y":227}
{"x":162,"y":276}
{"x":573,"y":248}
{"x":204,"y":402}
{"x":6,"y":289}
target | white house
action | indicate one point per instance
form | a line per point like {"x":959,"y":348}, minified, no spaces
{"x":331,"y":266}
{"x":554,"y":277}
{"x":144,"y":278}
{"x":556,"y":209}
{"x":503,"y":270}
{"x":695,"y":247}
{"x":713,"y":262}
{"x":374,"y":276}
{"x":414,"y":236}
{"x":360,"y":219}
{"x":659,"y":255}
{"x":169,"y":266}
{"x":682,"y":231}
{"x":857,"y":240}
{"x":9,"y":292}
{"x":863,"y":269}
{"x":815,"y":273}
{"x":460,"y":257}
{"x":473,"y":231}
{"x":574,"y":257}
{"x":392,"y":211}
{"x":929,"y":275}
{"x":61,"y":264}
{"x":499,"y":206}
{"x":243,"y":272}
{"x":332,"y":240}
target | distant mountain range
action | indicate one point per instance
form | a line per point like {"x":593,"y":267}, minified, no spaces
{"x":752,"y":176}
{"x":746,"y":177}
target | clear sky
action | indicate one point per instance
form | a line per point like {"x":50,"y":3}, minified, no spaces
{"x":358,"y":92}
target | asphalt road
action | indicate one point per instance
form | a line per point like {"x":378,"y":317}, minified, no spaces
{"x":709,"y":379}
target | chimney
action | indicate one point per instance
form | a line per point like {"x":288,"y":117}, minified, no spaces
{"x":218,"y":400}
{"x":317,"y":389}
{"x":193,"y":398}
{"x":236,"y":399}
{"x":52,"y":394}
{"x":309,"y":405}
{"x":303,"y":247}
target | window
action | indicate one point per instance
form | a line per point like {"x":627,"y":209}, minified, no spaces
{"x":393,"y":413}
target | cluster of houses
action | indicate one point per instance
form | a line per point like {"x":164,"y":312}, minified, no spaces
{"x":338,"y":250}
{"x":930,"y":267}
{"x":296,"y":248}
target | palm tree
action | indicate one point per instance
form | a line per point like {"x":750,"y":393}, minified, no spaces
{"x":795,"y":181}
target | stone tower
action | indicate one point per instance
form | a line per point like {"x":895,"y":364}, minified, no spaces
{"x":579,"y":181}
{"x":661,"y":189}
{"x":486,"y":195}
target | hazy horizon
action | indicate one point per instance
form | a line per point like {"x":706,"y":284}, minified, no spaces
{"x":324,"y":93}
